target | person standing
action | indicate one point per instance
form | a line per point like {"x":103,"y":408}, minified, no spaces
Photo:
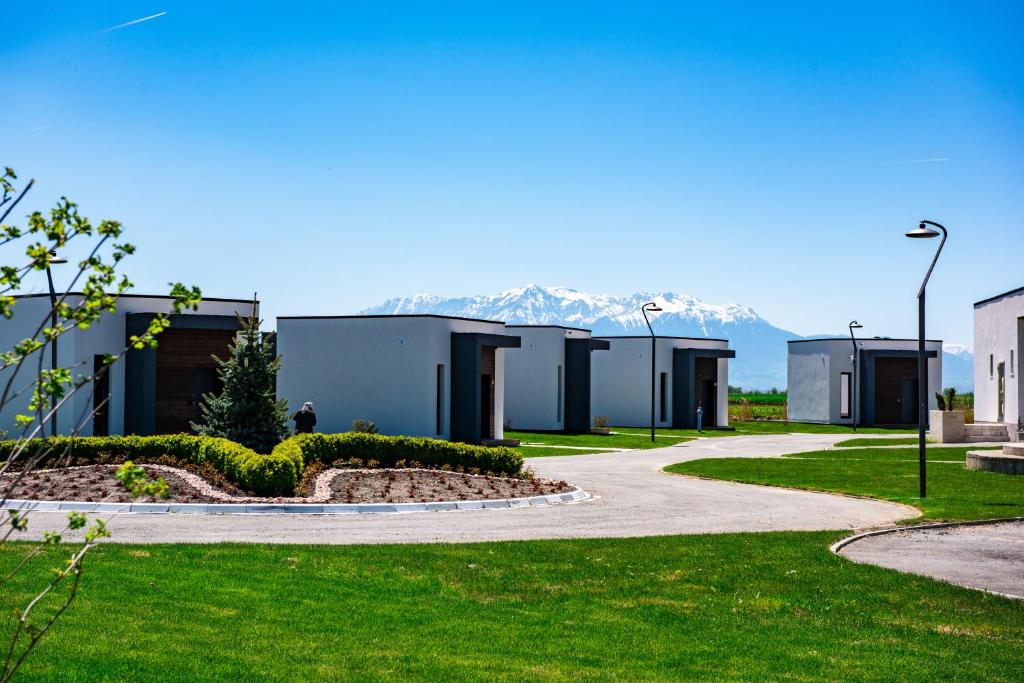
{"x":305,"y":419}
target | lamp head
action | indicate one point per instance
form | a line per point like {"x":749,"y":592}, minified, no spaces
{"x":652,"y":307}
{"x":56,"y":260}
{"x":855,"y":325}
{"x":922,"y":231}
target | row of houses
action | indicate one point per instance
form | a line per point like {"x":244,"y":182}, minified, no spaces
{"x":465,"y":379}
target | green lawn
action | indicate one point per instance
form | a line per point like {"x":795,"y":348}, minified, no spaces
{"x":552,"y":440}
{"x":858,"y":443}
{"x":954,"y":492}
{"x":711,"y":607}
{"x":755,"y":427}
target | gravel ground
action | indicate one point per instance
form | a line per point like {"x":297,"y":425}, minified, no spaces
{"x":97,"y":483}
{"x":985,"y":556}
{"x":422,"y":486}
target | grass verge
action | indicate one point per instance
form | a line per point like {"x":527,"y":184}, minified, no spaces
{"x":714,"y":607}
{"x":954,"y":492}
{"x":597,"y":442}
{"x":864,"y":443}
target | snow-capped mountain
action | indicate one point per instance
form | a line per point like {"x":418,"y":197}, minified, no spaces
{"x":760,"y":346}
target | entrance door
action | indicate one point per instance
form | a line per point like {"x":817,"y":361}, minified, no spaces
{"x":908,"y":402}
{"x":705,"y":375}
{"x":1001,"y":388}
{"x":486,"y":407}
{"x":896,"y":391}
{"x":709,"y":396}
{"x":100,"y":397}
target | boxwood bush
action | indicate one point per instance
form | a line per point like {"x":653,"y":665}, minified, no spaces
{"x":278,"y":472}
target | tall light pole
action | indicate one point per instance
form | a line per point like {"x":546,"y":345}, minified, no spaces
{"x":922,"y":231}
{"x":853,"y":390}
{"x":53,"y":260}
{"x":653,"y":308}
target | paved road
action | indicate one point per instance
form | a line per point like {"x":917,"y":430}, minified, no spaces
{"x":989,"y":557}
{"x":633,"y":497}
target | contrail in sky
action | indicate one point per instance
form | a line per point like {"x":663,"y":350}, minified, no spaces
{"x":133,"y":22}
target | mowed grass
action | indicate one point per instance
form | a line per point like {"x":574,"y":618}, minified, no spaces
{"x":860,"y":443}
{"x":593,"y":443}
{"x":758,"y":427}
{"x":712,"y":607}
{"x":954,"y":492}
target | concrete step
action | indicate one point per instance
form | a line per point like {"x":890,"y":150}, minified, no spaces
{"x":991,"y":461}
{"x":1014,"y":449}
{"x":974,"y":433}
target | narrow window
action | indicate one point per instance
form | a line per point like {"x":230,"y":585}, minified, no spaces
{"x":663,"y":402}
{"x":991,"y":366}
{"x":1011,"y":363}
{"x":845,"y":399}
{"x":558,"y":409}
{"x":439,"y":401}
{"x":100,"y":397}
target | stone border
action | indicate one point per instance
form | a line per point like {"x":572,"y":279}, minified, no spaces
{"x":842,"y":543}
{"x":315,"y":504}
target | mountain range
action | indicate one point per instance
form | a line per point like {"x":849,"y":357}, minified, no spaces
{"x":760,"y":346}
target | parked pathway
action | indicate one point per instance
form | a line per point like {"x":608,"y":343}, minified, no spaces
{"x":987,"y":556}
{"x":633,"y":497}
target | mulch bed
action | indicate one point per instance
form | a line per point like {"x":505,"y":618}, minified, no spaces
{"x":97,"y":483}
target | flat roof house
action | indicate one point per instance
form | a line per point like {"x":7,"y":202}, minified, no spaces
{"x":821,"y":389}
{"x":687,"y":370}
{"x":152,"y":391}
{"x":547,"y":379}
{"x":418,"y":375}
{"x":998,"y":344}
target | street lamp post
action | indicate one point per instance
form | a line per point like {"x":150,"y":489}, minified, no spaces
{"x":51,"y":261}
{"x":653,"y":308}
{"x":922,"y":231}
{"x":853,"y":390}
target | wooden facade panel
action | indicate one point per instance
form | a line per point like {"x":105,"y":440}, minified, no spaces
{"x":185,"y":370}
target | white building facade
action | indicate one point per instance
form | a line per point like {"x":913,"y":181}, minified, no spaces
{"x":688,"y":373}
{"x":822,"y":386}
{"x":149,"y":391}
{"x":998,"y":344}
{"x":417,"y":375}
{"x":548,"y":378}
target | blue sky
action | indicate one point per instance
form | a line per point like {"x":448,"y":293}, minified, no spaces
{"x":334,"y":156}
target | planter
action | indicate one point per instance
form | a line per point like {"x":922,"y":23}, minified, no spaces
{"x":947,"y":426}
{"x":604,"y":431}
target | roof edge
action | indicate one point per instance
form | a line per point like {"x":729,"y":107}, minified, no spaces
{"x":997,"y":297}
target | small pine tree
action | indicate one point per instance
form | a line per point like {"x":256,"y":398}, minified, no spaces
{"x":246,"y":411}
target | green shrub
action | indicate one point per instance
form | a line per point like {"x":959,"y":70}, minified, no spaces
{"x":389,"y":450}
{"x":279,"y":472}
{"x":364,"y":426}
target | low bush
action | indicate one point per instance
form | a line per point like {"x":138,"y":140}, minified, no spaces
{"x":389,"y":451}
{"x":281,"y":471}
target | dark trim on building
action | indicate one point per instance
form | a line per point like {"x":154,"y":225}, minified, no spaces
{"x":657,"y":336}
{"x":551,"y":327}
{"x":140,"y":365}
{"x":684,"y":362}
{"x":866,"y":414}
{"x":861,"y":339}
{"x":142,"y":296}
{"x":397,"y":315}
{"x":997,"y":297}
{"x":599,"y":344}
{"x":464,"y":415}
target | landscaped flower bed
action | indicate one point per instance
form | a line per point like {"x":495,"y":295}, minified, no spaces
{"x":97,"y":483}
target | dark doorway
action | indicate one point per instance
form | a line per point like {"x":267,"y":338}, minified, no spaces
{"x":1001,"y":388}
{"x":705,"y":375}
{"x":896,"y":393}
{"x":100,"y":397}
{"x":185,"y":370}
{"x":486,"y":407}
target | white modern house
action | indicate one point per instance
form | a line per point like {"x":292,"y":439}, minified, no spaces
{"x":998,"y":344}
{"x":417,"y":375}
{"x":547,"y":379}
{"x":151,"y":391}
{"x":824,"y":386}
{"x":688,"y":372}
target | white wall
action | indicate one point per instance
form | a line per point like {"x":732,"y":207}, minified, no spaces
{"x":998,"y":330}
{"x":620,"y":384}
{"x":382,"y":369}
{"x":814,"y":374}
{"x":531,"y":386}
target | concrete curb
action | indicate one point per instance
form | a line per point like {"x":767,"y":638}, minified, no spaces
{"x":574,"y":496}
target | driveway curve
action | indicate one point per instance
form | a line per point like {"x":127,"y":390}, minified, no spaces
{"x":632,"y":497}
{"x":988,"y":557}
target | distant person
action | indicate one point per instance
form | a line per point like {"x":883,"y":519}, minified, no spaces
{"x":700,"y":417}
{"x":305,"y":419}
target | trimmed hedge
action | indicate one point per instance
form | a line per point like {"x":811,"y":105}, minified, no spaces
{"x":274,"y":474}
{"x":279,"y":472}
{"x":390,"y":450}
